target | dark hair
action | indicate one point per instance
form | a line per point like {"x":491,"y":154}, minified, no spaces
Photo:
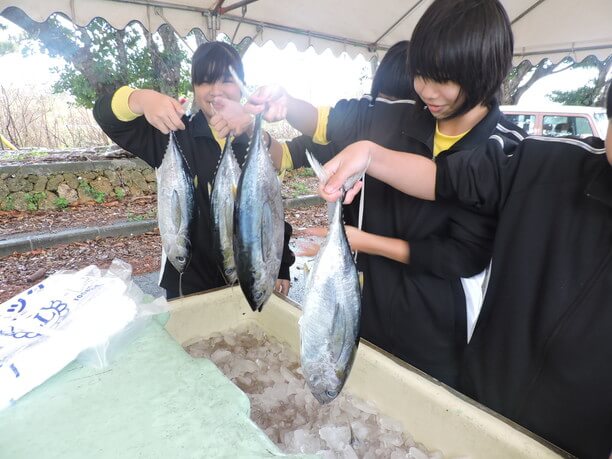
{"x":609,"y":97}
{"x":468,"y":42}
{"x":211,"y":60}
{"x":392,"y":77}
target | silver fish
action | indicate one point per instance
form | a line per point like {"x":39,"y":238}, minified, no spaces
{"x":329,"y":326}
{"x":222,"y":198}
{"x":175,"y":206}
{"x":258,"y":224}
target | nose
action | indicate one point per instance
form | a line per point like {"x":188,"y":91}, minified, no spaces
{"x":216,"y":89}
{"x":428,"y":90}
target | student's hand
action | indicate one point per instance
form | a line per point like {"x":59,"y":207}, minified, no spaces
{"x":271,"y":100}
{"x":161,"y":111}
{"x":230,"y":116}
{"x":351,"y":161}
{"x":282,"y":286}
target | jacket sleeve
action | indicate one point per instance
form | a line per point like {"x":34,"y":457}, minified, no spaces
{"x":474,"y":185}
{"x":478,"y":179}
{"x":288,"y":257}
{"x":349,"y":121}
{"x":299,"y":145}
{"x":136,"y":136}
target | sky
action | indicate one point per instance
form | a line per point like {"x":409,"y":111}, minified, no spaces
{"x":322,"y":79}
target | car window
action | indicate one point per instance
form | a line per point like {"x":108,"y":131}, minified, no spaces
{"x":601,"y":120}
{"x":583,"y":127}
{"x":559,"y":126}
{"x":526,"y":122}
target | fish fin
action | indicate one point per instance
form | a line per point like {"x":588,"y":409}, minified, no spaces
{"x":234,"y":191}
{"x":195,"y":183}
{"x":209,"y":189}
{"x":317,"y":167}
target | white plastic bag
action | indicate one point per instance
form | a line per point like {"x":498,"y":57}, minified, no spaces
{"x":47,"y":326}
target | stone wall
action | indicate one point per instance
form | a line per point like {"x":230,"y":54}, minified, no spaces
{"x":57,"y":185}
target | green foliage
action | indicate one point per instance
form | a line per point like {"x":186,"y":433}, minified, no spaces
{"x":9,"y":203}
{"x":61,"y":203}
{"x":586,"y":96}
{"x":119,"y":193}
{"x":98,"y":196}
{"x":305,"y":172}
{"x":299,"y":189}
{"x":100,"y":58}
{"x":34,"y":199}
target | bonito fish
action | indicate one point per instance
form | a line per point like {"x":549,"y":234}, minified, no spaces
{"x":222,"y":200}
{"x":175,"y":206}
{"x":329,"y":326}
{"x":258,"y":224}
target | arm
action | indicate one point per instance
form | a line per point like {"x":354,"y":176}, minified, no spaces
{"x":232,"y":117}
{"x":409,"y":173}
{"x":120,"y":117}
{"x":276,"y":105}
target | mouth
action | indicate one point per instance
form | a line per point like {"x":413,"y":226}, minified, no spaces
{"x":435,"y":108}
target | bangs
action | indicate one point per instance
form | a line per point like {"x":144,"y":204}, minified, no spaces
{"x":211,"y":63}
{"x":468,"y":42}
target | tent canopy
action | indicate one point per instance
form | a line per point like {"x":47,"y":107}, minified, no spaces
{"x":550,"y":29}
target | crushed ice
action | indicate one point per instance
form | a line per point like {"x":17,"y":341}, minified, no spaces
{"x":283,"y":407}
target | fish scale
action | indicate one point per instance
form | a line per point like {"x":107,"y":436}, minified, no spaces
{"x":222,"y":199}
{"x":258,"y":224}
{"x":175,"y":206}
{"x":329,"y":326}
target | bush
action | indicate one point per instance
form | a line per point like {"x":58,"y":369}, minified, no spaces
{"x":119,"y":193}
{"x":61,"y":203}
{"x":8,"y":204}
{"x":34,"y":200}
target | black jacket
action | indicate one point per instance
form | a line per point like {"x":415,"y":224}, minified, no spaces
{"x":541,"y":353}
{"x":416,"y":311}
{"x":202,"y":153}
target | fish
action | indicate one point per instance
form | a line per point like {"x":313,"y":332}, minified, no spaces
{"x":331,"y":312}
{"x":258,"y":223}
{"x":222,"y":198}
{"x":175,"y":206}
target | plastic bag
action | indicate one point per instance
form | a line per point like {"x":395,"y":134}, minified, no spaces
{"x":88,"y":314}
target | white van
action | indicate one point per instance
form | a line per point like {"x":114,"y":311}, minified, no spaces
{"x":559,"y":120}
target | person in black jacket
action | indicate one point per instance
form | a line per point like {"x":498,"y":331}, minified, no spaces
{"x":413,"y":254}
{"x":200,"y":138}
{"x":541,"y":350}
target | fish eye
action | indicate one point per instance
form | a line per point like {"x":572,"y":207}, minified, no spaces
{"x":331,"y":393}
{"x":180,"y":259}
{"x":259,"y":296}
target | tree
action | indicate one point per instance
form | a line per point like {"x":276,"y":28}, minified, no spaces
{"x":100,"y":58}
{"x":523,"y":76}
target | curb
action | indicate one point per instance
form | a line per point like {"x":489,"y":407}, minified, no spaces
{"x":42,"y":241}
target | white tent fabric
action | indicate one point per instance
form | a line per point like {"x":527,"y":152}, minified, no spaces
{"x":542,"y":28}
